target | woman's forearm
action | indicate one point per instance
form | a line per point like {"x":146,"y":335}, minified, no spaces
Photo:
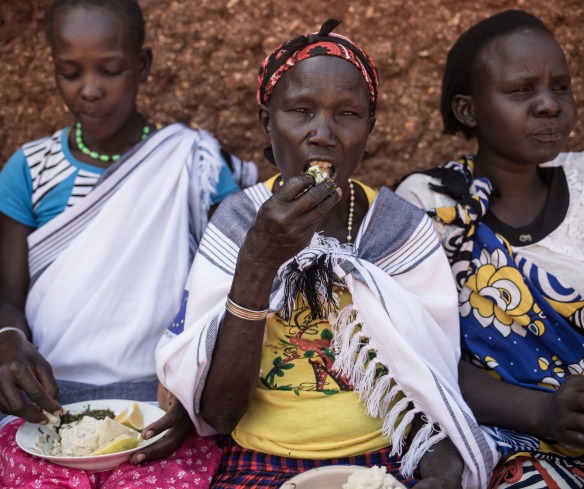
{"x":498,"y":403}
{"x":235,"y":364}
{"x":13,"y":317}
{"x":442,"y":461}
{"x":14,"y":274}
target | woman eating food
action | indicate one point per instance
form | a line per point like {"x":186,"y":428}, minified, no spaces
{"x":318,"y":338}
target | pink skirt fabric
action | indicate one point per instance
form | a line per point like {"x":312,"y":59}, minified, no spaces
{"x":192,"y":466}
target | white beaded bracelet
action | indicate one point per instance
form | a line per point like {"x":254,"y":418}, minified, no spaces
{"x":5,"y":329}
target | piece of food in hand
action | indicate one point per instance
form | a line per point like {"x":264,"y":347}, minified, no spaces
{"x":54,"y":421}
{"x":372,"y":478}
{"x":131,"y":417}
{"x":320,"y":170}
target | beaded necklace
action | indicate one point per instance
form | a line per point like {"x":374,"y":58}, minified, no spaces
{"x":351,"y":211}
{"x":94,"y":154}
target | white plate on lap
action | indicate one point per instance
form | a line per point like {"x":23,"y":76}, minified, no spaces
{"x":27,"y":435}
{"x":327,"y":477}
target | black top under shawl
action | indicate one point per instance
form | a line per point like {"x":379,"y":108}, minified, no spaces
{"x":549,"y":219}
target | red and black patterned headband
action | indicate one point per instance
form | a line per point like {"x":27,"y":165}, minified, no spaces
{"x":322,"y":43}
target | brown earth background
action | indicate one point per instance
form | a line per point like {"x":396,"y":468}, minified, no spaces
{"x":207,"y":52}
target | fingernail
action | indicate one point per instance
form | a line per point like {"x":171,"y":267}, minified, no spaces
{"x":339,"y":191}
{"x":140,"y":458}
{"x":147,"y":434}
{"x":43,"y":422}
{"x":58,"y":413}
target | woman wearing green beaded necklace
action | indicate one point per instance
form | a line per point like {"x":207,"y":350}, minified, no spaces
{"x":99,"y":82}
{"x":99,"y":224}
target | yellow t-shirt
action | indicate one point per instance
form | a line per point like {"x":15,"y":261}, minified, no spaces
{"x":301,"y":408}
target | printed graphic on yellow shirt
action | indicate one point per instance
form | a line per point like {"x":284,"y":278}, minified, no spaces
{"x":298,"y":356}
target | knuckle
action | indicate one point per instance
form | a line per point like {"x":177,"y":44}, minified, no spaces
{"x":149,"y":452}
{"x":36,"y":393}
{"x":314,"y":197}
{"x":15,"y":405}
{"x":14,"y":367}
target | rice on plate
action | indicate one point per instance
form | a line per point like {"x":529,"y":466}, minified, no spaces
{"x":372,"y":478}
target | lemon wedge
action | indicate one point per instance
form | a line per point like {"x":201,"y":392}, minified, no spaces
{"x":131,"y":417}
{"x":118,"y":444}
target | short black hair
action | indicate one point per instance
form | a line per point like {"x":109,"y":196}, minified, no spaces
{"x":460,"y":68}
{"x":129,"y":9}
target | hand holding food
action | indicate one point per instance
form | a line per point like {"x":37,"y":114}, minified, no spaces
{"x":25,"y":374}
{"x":178,"y":425}
{"x":288,"y":221}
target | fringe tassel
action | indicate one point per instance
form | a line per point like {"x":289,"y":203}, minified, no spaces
{"x":399,"y":433}
{"x":390,"y":420}
{"x":367,"y":381}
{"x":208,"y":164}
{"x":311,"y":276}
{"x":345,"y":343}
{"x":379,"y":392}
{"x":377,"y":404}
{"x":386,"y":401}
{"x":424,"y":439}
{"x":314,"y":283}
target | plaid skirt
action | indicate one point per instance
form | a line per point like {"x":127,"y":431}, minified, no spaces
{"x":241,"y":467}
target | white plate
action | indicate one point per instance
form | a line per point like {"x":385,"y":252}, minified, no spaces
{"x":329,"y":477}
{"x":27,"y":434}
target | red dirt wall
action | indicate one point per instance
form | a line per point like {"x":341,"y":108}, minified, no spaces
{"x":207,"y":53}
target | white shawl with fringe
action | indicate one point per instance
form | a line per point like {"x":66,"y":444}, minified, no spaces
{"x":403,"y":298}
{"x":108,"y":273}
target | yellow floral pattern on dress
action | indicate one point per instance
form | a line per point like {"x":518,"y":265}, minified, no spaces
{"x":519,"y":322}
{"x":497,"y":295}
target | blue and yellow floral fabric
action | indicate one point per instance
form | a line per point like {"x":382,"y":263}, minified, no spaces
{"x":518,"y":321}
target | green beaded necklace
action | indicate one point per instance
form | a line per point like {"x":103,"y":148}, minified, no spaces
{"x":94,"y":154}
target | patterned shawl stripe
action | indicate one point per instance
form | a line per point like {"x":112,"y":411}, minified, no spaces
{"x":48,"y":165}
{"x":219,"y":249}
{"x":422,"y":243}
